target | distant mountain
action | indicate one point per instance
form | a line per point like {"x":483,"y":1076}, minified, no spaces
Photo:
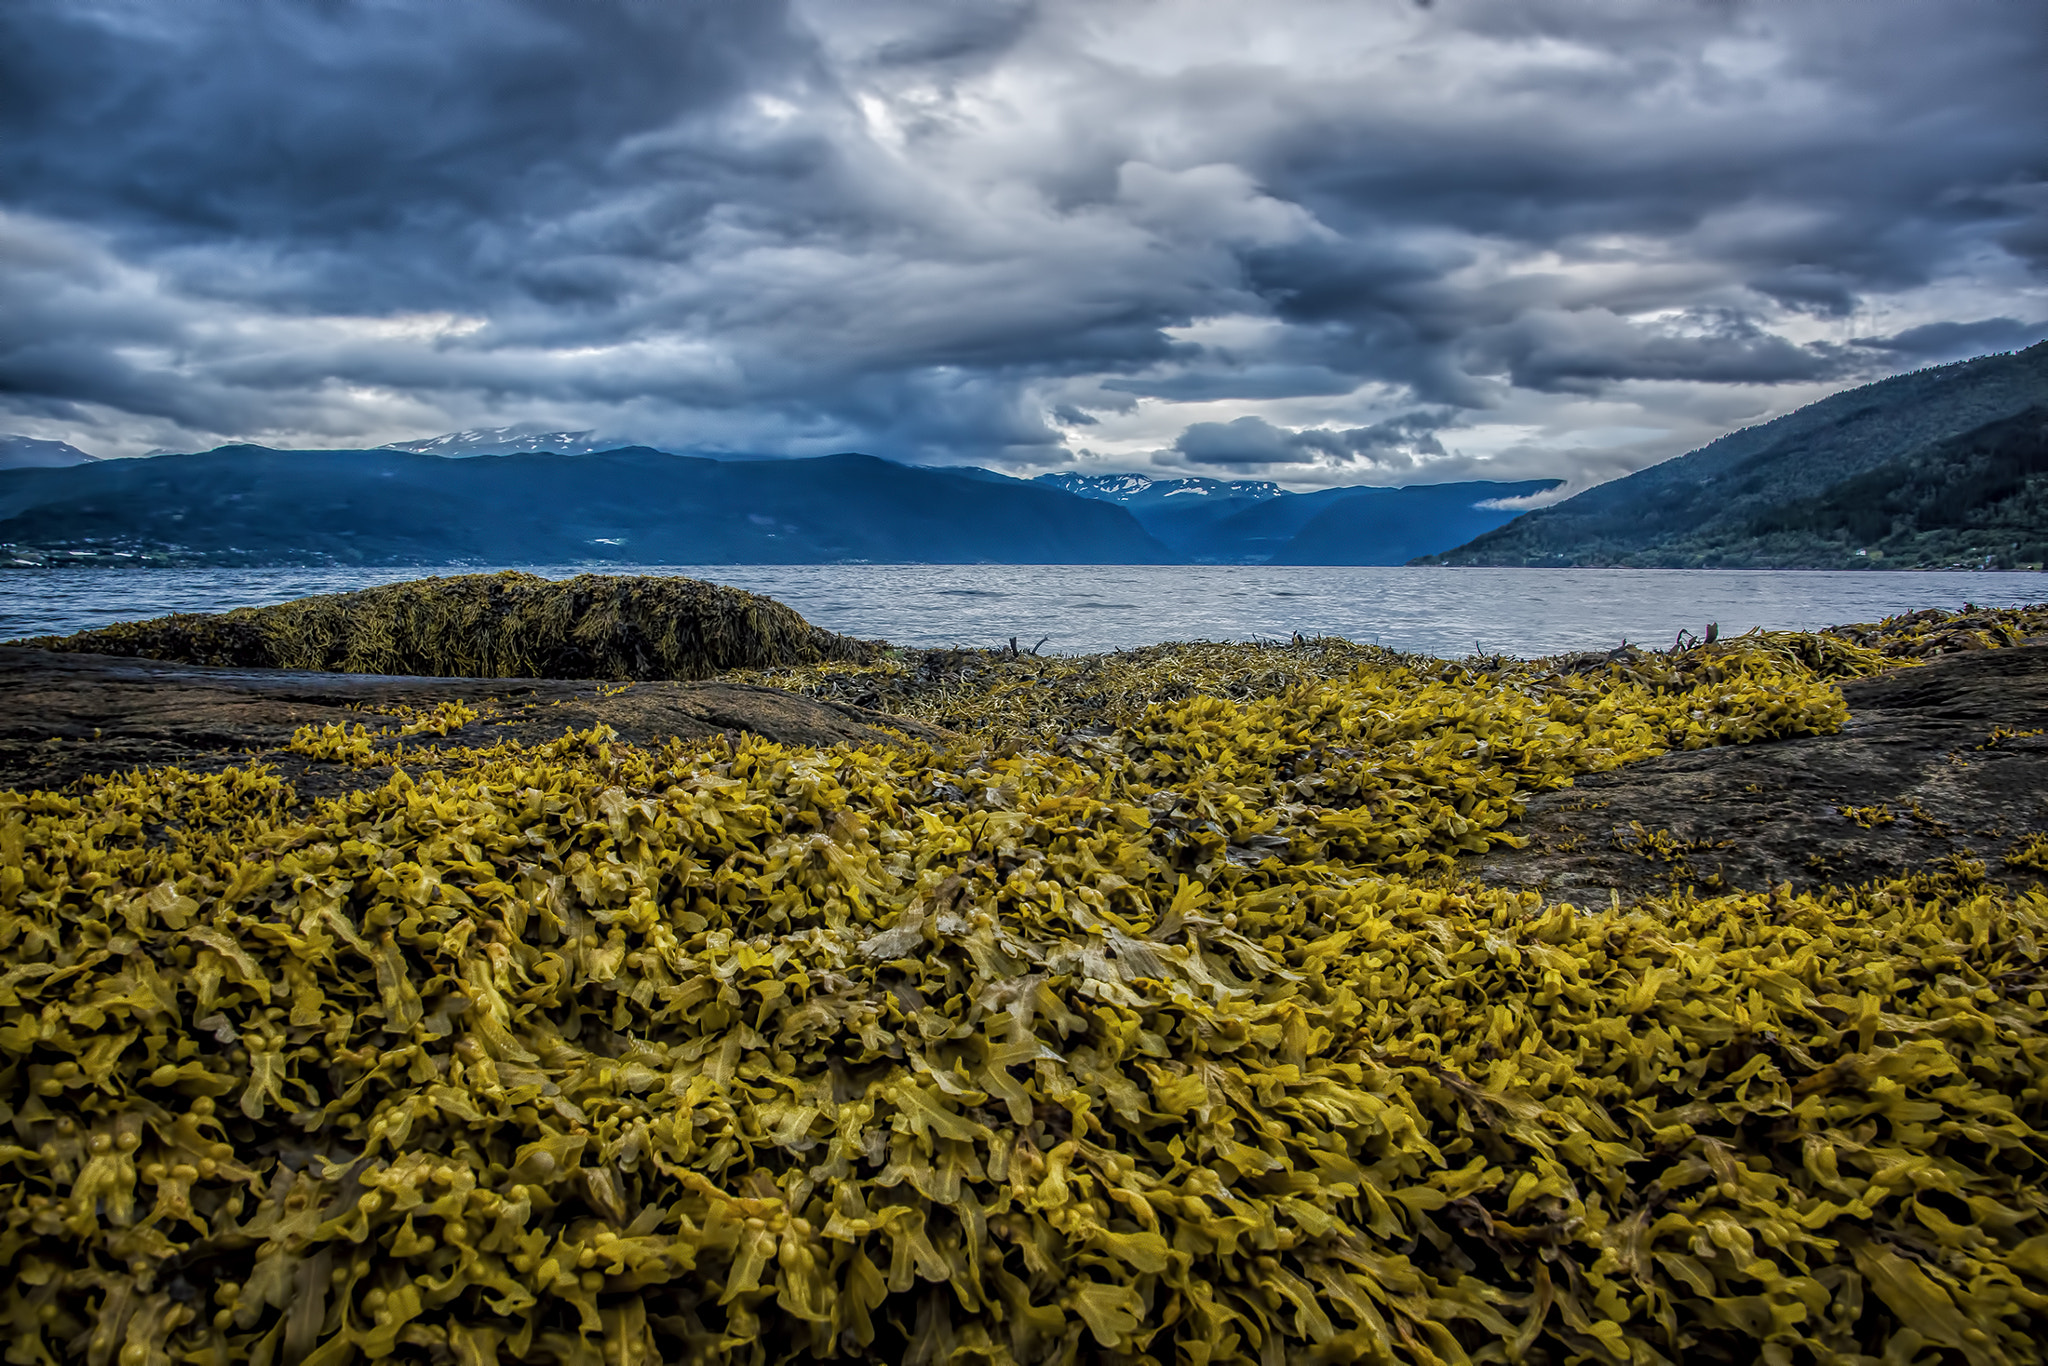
{"x":1926,"y":469}
{"x":506,"y":441}
{"x":251,"y":505}
{"x":32,"y":453}
{"x":1183,"y":513}
{"x":1363,"y":525}
{"x":1393,"y":526}
{"x":1252,"y":521}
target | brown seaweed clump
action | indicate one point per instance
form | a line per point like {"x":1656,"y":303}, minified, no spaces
{"x":506,"y":625}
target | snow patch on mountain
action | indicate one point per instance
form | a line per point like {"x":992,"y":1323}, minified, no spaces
{"x":1143,"y":488}
{"x":507,"y":441}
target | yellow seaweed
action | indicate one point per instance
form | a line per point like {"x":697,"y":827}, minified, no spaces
{"x":1172,"y":1040}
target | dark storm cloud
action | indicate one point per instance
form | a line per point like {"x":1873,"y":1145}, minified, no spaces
{"x":1310,"y":240}
{"x":406,"y":151}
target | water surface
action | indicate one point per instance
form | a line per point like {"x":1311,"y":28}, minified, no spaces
{"x":1077,"y":608}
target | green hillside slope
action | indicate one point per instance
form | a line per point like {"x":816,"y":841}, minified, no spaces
{"x":1757,"y":498}
{"x":1980,"y":499}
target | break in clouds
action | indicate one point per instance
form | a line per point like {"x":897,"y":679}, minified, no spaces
{"x":1316,"y":242}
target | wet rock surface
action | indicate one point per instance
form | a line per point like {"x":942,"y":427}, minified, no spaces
{"x":1936,"y":764}
{"x":68,"y":716}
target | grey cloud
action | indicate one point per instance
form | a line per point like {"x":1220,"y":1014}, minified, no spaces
{"x":2029,"y":240}
{"x":1398,"y":442}
{"x":1955,"y":341}
{"x":1588,"y":349}
{"x":943,"y":232}
{"x":962,"y":33}
{"x":1245,"y":441}
{"x":1393,"y":444}
{"x":1258,"y":379}
{"x":379,"y":151}
{"x":2022,"y":207}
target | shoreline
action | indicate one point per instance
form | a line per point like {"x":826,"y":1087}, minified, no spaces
{"x":82,"y":559}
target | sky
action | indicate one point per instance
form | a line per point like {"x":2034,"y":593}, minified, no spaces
{"x":1368,"y":242}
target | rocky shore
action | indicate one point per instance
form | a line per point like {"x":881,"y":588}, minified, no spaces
{"x":66,"y":716}
{"x":1941,"y":762}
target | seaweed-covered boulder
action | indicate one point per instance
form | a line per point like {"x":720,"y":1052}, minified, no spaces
{"x":506,"y":625}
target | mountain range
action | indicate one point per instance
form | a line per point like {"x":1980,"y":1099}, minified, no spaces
{"x":251,"y":505}
{"x":1942,"y":468}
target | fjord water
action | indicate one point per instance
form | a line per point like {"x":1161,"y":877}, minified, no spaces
{"x":1087,"y":608}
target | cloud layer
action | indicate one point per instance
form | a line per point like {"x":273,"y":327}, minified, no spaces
{"x":1330,"y":244}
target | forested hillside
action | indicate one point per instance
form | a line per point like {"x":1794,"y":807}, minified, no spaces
{"x":1922,"y":470}
{"x":1977,"y":499}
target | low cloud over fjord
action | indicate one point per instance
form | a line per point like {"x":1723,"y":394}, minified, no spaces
{"x":1379,"y":243}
